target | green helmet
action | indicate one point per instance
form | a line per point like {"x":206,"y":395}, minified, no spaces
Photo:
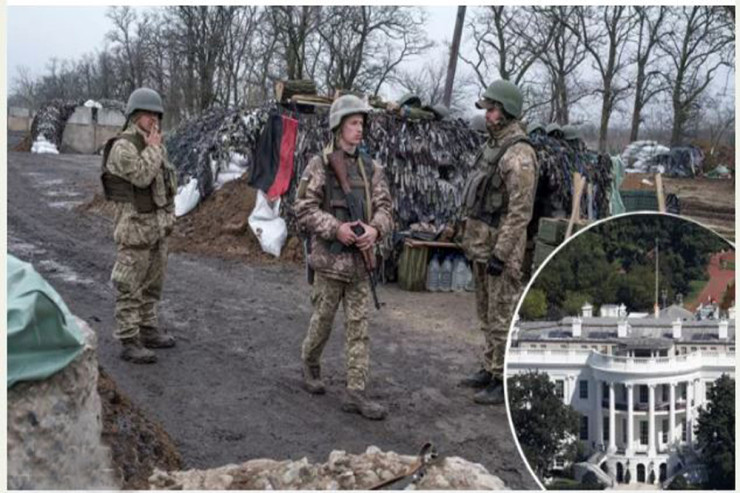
{"x":345,"y":106}
{"x":552,"y":128}
{"x":144,"y":99}
{"x":570,"y":132}
{"x":535,"y":126}
{"x":410,"y":99}
{"x":478,"y":123}
{"x":506,"y":93}
{"x":441,"y":111}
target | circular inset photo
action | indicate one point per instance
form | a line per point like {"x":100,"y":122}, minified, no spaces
{"x":620,"y":365}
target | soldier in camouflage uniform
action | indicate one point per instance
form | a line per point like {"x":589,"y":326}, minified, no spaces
{"x":499,"y":197}
{"x":141,"y":183}
{"x":336,"y":257}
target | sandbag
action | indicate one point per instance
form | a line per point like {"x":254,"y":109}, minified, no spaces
{"x":43,"y":336}
{"x":267,"y":225}
{"x":187,"y":198}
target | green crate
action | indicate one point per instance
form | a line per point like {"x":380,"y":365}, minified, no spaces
{"x":541,"y":251}
{"x":551,"y":231}
{"x":412,"y":268}
{"x":639,"y":200}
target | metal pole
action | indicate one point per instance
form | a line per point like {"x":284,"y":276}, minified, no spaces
{"x":454,"y":50}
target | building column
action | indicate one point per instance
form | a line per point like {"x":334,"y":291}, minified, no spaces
{"x":630,"y":420}
{"x":651,"y":420}
{"x":695,"y":409}
{"x":598,"y":415}
{"x":612,"y":420}
{"x":672,"y":415}
{"x":689,"y":413}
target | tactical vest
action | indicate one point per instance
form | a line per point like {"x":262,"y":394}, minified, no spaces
{"x":485,"y":196}
{"x":335,"y":202}
{"x":117,"y":189}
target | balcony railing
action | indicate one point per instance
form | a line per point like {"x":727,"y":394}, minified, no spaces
{"x":643,"y":406}
{"x":669,"y":364}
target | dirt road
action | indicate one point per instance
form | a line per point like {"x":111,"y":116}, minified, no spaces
{"x":230,"y":391}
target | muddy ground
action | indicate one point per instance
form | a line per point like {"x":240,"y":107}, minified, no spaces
{"x":230,"y":391}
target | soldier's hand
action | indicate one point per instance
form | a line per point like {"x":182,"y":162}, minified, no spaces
{"x":345,"y":234}
{"x":367,"y":239}
{"x":495,"y":266}
{"x":154,"y":138}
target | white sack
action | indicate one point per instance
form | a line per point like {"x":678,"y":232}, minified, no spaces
{"x":267,"y":225}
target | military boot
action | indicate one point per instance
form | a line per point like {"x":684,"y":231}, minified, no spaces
{"x":492,"y":395}
{"x":155,"y":338}
{"x":355,"y":401}
{"x":135,"y":352}
{"x":477,"y":380}
{"x":312,"y":379}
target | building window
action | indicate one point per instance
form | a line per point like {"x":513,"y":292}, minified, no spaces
{"x":583,"y":346}
{"x":683,"y":350}
{"x":731,"y":349}
{"x":665,"y":393}
{"x":683,"y":430}
{"x":708,"y":389}
{"x":624,"y":431}
{"x":643,"y":432}
{"x":693,"y":349}
{"x":605,"y":349}
{"x":665,"y":431}
{"x":682,"y":390}
{"x":563,"y":346}
{"x":543,"y":346}
{"x":560,"y":388}
{"x":583,"y":432}
{"x":713,"y":348}
{"x":605,"y":390}
{"x":583,"y":389}
{"x":606,"y":428}
{"x":643,"y":394}
{"x":559,"y":462}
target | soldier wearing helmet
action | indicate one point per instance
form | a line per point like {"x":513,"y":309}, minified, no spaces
{"x":572,"y":136}
{"x":336,"y":257}
{"x":141,"y":183}
{"x":498,"y":202}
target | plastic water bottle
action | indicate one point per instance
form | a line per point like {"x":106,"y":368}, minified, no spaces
{"x":459,"y":274}
{"x":433,"y":272}
{"x":445,"y":277}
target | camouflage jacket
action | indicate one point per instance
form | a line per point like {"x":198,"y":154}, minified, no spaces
{"x":150,"y":167}
{"x":518,"y":170}
{"x":322,"y":225}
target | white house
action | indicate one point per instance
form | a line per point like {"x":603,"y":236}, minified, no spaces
{"x":637,"y":383}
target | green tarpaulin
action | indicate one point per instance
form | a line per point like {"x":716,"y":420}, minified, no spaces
{"x":616,"y":205}
{"x":43,"y":336}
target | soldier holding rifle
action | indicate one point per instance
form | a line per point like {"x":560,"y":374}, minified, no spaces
{"x":344,"y":203}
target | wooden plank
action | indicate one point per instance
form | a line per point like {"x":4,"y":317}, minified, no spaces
{"x":659,"y":191}
{"x":578,"y":184}
{"x":432,"y":244}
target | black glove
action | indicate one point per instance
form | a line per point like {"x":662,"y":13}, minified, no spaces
{"x":495,"y":266}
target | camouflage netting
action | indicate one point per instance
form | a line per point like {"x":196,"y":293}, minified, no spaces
{"x":427,"y":161}
{"x":51,"y":119}
{"x":341,"y":471}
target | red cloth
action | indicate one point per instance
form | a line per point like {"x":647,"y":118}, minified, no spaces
{"x":287,"y":150}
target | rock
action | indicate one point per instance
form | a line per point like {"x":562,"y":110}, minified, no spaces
{"x":55,"y":427}
{"x":341,"y":471}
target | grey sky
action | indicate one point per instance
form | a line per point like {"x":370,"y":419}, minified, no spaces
{"x":37,"y":34}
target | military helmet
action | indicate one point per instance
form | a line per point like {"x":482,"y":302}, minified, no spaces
{"x":441,"y":111}
{"x":144,"y":99}
{"x":535,"y":126}
{"x":410,"y":99}
{"x":345,"y":106}
{"x":506,"y":93}
{"x":570,"y":132}
{"x":553,"y":127}
{"x":478,"y":123}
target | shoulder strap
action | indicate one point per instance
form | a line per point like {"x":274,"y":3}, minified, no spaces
{"x":136,"y":139}
{"x":510,"y":143}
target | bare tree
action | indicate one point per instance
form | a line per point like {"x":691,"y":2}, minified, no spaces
{"x":701,"y":42}
{"x":603,"y":33}
{"x":364,"y":46}
{"x":428,"y":82}
{"x":294,"y":27}
{"x":24,"y":87}
{"x":648,"y":82}
{"x":562,"y":59}
{"x":508,"y":39}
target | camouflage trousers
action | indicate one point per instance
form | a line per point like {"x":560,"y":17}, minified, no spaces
{"x":495,"y":298}
{"x":138,"y":276}
{"x":327,"y":293}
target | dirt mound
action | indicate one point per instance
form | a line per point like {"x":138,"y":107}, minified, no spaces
{"x":24,"y":145}
{"x":217,"y":227}
{"x":138,"y":444}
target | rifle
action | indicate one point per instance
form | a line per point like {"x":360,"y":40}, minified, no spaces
{"x":354,"y":205}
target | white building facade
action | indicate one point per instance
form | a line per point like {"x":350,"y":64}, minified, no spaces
{"x":638,"y":384}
